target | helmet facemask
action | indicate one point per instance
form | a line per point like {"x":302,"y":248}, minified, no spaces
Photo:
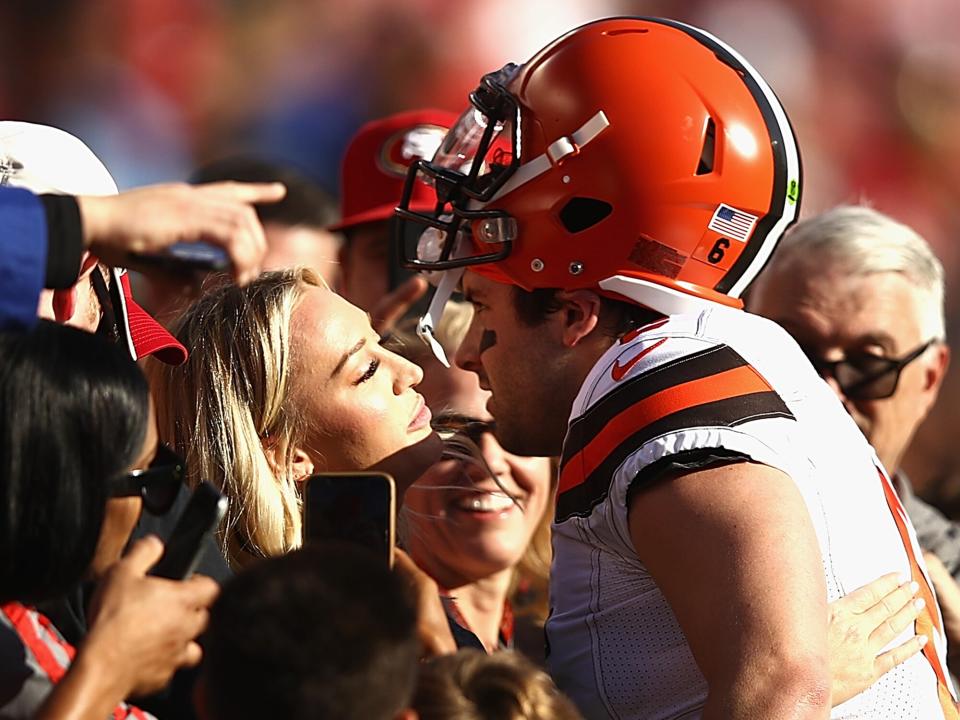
{"x":476,"y":158}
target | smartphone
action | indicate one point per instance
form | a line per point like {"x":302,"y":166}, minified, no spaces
{"x":357,"y":508}
{"x":197,"y":522}
{"x":186,"y":257}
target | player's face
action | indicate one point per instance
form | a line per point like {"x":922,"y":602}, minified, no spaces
{"x":836,"y":317}
{"x":522,"y":366}
{"x":356,"y":398}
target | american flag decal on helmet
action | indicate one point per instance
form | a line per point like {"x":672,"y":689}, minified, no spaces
{"x":733,"y":223}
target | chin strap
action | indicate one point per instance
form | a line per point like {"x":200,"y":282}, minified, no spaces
{"x":431,"y":319}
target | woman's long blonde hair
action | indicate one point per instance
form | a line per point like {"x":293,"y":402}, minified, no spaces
{"x":230,"y":402}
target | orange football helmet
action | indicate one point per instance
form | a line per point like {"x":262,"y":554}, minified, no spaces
{"x":640,"y":157}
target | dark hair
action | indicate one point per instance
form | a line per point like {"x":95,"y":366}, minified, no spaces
{"x":73,"y":414}
{"x":306,"y":202}
{"x":326,"y":631}
{"x":618,"y":317}
{"x":472,"y":685}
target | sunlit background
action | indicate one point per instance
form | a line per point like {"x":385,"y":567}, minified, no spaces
{"x":157,"y":87}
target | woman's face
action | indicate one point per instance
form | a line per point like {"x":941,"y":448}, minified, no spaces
{"x":356,"y":398}
{"x":459,"y":523}
{"x":123,"y":513}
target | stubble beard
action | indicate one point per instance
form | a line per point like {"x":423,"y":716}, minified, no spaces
{"x":529,"y":430}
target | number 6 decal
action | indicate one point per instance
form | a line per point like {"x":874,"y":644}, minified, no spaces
{"x":716,"y":252}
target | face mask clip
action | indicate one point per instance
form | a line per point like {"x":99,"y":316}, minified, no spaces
{"x":499,"y":229}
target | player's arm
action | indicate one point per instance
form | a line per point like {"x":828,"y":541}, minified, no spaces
{"x":734,"y":552}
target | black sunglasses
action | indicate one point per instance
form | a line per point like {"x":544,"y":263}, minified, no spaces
{"x":866,"y":377}
{"x":157,"y":484}
{"x":465,"y":425}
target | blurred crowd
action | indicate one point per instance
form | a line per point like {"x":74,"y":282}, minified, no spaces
{"x":280,"y":134}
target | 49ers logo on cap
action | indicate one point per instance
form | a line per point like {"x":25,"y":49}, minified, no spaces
{"x":417,"y":143}
{"x":8,"y":167}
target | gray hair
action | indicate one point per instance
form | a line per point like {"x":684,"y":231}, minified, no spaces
{"x":862,"y":241}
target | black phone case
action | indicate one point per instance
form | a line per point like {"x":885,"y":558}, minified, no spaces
{"x":334,"y":511}
{"x":199,"y":518}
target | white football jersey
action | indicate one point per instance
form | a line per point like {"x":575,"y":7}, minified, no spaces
{"x":736,"y":383}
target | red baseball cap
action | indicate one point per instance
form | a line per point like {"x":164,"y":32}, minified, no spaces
{"x":375,"y":165}
{"x":144,"y":335}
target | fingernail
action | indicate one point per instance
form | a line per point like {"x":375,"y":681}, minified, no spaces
{"x":919,"y":603}
{"x":914,"y":586}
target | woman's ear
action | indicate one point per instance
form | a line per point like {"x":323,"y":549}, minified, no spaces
{"x":298,"y":464}
{"x":301,"y":466}
{"x":580,"y":314}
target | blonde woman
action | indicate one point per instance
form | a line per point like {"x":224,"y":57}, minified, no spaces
{"x":286,"y":378}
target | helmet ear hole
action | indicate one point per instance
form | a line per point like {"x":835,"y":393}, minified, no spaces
{"x":581,"y":213}
{"x":708,"y":153}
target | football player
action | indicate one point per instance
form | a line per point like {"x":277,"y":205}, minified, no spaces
{"x":603,"y":206}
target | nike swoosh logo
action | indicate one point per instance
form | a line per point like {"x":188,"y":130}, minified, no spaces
{"x":637,"y":332}
{"x":618,"y":370}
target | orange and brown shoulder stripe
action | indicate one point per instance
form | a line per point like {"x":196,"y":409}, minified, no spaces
{"x":715,"y":387}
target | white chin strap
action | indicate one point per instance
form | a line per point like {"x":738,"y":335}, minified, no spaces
{"x":428,"y":323}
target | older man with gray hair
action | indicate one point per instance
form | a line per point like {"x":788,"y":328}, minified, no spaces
{"x":863,"y":296}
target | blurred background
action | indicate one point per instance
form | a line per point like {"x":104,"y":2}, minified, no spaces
{"x":157,"y":87}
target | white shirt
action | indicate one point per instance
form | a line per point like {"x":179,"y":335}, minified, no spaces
{"x":721,"y":379}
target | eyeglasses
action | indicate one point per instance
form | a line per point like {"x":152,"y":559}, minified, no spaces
{"x":470,"y":427}
{"x":157,"y":484}
{"x":866,"y":377}
{"x":109,"y":298}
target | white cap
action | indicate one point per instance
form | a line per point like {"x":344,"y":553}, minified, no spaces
{"x":45,"y":159}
